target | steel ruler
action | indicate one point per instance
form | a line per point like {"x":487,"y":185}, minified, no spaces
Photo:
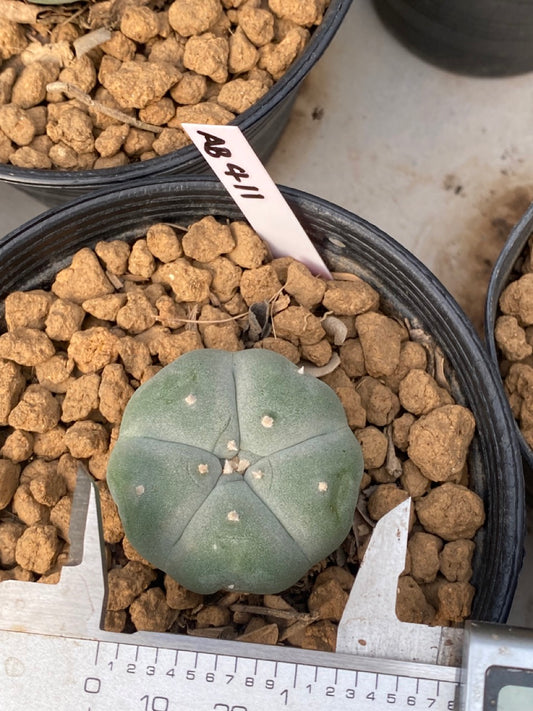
{"x":54,"y":656}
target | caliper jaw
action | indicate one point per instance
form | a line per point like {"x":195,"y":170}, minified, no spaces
{"x":75,"y":605}
{"x":369,"y":625}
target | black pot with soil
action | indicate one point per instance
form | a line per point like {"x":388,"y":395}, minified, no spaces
{"x":59,"y":120}
{"x":397,"y":301}
{"x":507,"y":331}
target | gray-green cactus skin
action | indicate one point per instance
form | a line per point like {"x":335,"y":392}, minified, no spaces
{"x":235,"y":471}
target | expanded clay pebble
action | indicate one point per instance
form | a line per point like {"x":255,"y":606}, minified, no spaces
{"x":38,"y":548}
{"x":73,"y":355}
{"x":157,"y":65}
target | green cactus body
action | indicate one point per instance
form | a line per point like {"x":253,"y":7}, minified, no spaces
{"x":235,"y":471}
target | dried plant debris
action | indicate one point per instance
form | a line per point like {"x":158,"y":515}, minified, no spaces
{"x":103,"y":84}
{"x":73,"y":354}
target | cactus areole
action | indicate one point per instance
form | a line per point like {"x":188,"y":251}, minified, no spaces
{"x":235,"y":471}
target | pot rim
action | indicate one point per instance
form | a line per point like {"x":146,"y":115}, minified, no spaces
{"x":499,"y":279}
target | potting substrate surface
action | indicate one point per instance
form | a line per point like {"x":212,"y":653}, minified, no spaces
{"x":438,"y":161}
{"x":115,"y":316}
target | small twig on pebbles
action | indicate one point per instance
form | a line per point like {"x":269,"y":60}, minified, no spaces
{"x":418,"y":335}
{"x":293,"y":615}
{"x":393,"y":464}
{"x":201,"y":321}
{"x":440,"y":375}
{"x":78,"y":94}
{"x":344,"y":276}
{"x":362,"y":506}
{"x":176,"y":226}
{"x":113,"y":278}
{"x":192,"y":317}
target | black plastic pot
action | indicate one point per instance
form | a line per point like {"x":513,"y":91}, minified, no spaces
{"x":262,"y":124}
{"x":505,"y":270}
{"x":477,"y":37}
{"x":33,"y":253}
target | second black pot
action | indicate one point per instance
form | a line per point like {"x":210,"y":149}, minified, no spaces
{"x":504,"y":271}
{"x":476,"y":37}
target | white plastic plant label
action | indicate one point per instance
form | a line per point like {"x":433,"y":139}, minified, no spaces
{"x":245,"y":178}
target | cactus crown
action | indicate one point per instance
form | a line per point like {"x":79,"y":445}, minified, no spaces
{"x":235,"y":471}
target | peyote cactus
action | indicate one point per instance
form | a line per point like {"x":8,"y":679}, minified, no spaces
{"x":235,"y":471}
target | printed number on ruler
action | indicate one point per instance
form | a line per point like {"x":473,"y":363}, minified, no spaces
{"x":216,"y":147}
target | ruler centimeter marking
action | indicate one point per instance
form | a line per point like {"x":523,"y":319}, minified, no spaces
{"x":47,"y":673}
{"x":316,"y":686}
